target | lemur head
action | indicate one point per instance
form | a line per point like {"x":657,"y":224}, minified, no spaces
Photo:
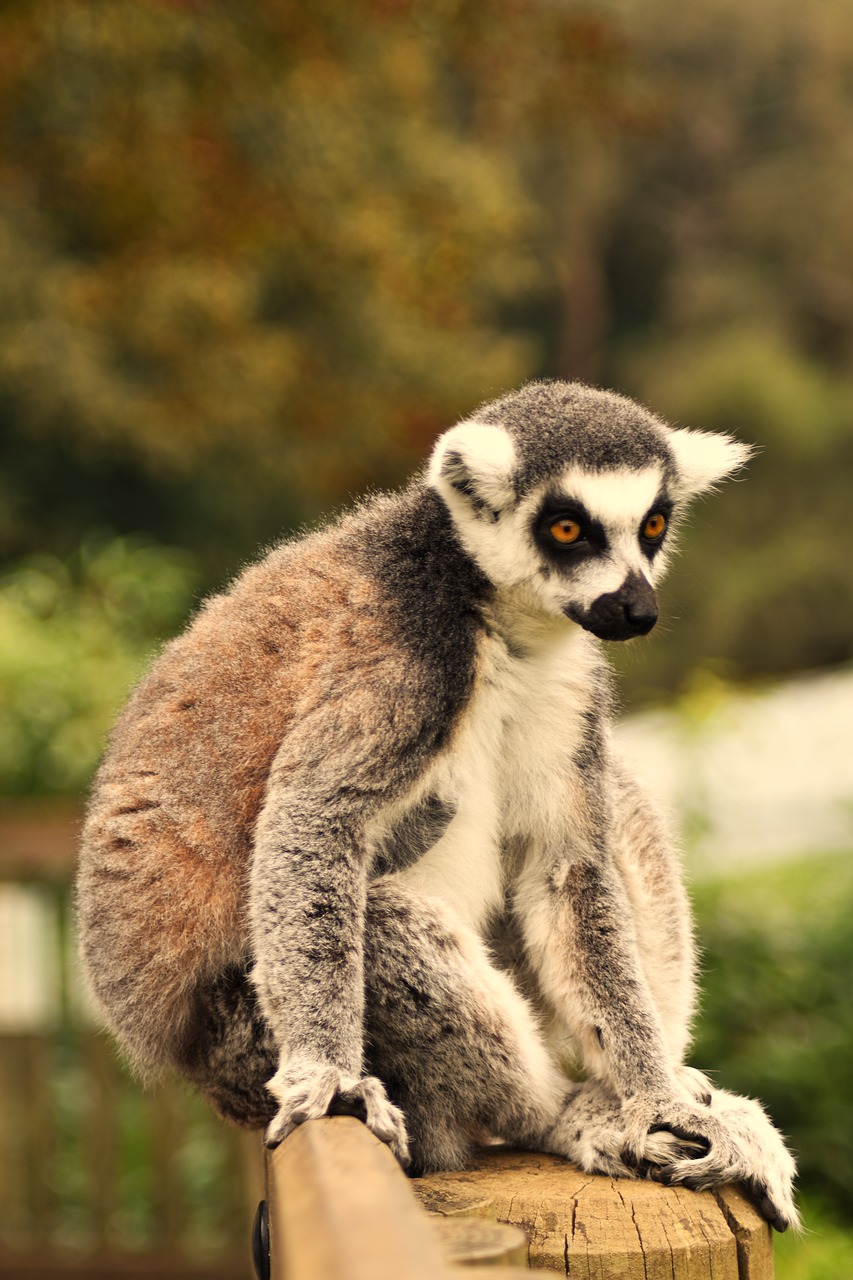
{"x":569,"y":496}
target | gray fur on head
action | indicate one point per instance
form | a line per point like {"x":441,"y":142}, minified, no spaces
{"x":549,"y":424}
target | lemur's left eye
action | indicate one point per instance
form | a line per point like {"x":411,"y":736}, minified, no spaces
{"x":565,"y":530}
{"x":654,"y":527}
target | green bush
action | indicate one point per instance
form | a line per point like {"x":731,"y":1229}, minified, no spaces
{"x":74,"y":635}
{"x":777,"y":1017}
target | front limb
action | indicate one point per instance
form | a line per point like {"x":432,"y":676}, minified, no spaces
{"x":580,"y":935}
{"x":308,"y":910}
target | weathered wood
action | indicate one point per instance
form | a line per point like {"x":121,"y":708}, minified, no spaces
{"x":341,"y":1209}
{"x":470,"y":1241}
{"x":752,"y":1234}
{"x":101,"y":1138}
{"x":600,"y":1229}
{"x":39,"y":840}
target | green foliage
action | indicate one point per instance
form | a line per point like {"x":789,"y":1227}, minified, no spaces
{"x":825,"y":1252}
{"x":73,"y":636}
{"x":777,"y":1017}
{"x":766,"y":584}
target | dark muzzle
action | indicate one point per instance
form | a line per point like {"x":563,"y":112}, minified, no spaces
{"x":620,"y":615}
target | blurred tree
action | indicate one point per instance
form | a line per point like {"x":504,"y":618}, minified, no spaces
{"x":744,"y":196}
{"x":248,"y":263}
{"x":252,"y":258}
{"x":692,"y":172}
{"x":74,"y":635}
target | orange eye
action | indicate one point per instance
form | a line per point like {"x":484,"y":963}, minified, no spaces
{"x":565,"y":530}
{"x":654,"y":527}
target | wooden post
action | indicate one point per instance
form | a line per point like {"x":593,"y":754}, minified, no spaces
{"x":595,"y":1228}
{"x":340,"y":1208}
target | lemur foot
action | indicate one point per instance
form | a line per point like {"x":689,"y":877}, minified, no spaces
{"x":730,"y":1140}
{"x":590,"y":1131}
{"x":306,"y":1093}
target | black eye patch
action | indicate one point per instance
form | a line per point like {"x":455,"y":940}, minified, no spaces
{"x":591,"y":541}
{"x":651,"y":546}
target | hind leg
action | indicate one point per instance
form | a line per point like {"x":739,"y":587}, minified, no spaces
{"x":455,"y":1045}
{"x":228,"y":1051}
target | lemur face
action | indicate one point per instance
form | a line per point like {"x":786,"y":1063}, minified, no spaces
{"x":599,"y":539}
{"x":570,"y":497}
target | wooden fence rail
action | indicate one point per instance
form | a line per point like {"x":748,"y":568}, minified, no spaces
{"x":98,"y":1177}
{"x":340,"y":1208}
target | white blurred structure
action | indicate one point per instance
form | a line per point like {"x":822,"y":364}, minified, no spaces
{"x":752,"y":776}
{"x":30,"y":983}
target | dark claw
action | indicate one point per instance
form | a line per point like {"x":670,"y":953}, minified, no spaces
{"x":341,"y":1105}
{"x":765,"y":1206}
{"x":707,"y":1099}
{"x":651,"y":1172}
{"x":768,"y":1210}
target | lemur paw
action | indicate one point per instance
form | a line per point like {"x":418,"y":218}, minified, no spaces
{"x":590,"y":1131}
{"x":306,"y":1093}
{"x":731,"y":1140}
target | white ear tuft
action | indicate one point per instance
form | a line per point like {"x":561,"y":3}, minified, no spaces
{"x":475,"y":461}
{"x":703,"y":459}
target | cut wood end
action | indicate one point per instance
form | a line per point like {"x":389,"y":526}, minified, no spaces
{"x":592,"y":1226}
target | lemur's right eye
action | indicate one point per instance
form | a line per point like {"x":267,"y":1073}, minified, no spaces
{"x":565,"y":530}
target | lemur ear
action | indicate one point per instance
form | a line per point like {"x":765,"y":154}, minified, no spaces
{"x":703,"y":459}
{"x":476,"y":461}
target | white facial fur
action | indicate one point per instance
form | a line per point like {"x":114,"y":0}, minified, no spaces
{"x":619,"y":500}
{"x":473,"y":466}
{"x":704,"y":459}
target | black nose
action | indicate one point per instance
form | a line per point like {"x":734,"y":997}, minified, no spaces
{"x":641,"y":615}
{"x":621,"y":615}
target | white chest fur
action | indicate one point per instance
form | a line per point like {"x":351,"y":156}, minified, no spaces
{"x":508,"y":771}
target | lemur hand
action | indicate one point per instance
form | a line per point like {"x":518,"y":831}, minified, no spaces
{"x":308,"y":1091}
{"x":696,"y":1146}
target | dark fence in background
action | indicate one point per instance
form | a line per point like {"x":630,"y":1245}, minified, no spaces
{"x":98,"y":1177}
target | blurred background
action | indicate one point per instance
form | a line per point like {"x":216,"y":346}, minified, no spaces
{"x":253,"y":258}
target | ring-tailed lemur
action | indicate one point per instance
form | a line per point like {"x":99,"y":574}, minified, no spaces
{"x":361,"y":841}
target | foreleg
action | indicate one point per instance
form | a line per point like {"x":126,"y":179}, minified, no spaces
{"x":581,"y":936}
{"x":309,"y":888}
